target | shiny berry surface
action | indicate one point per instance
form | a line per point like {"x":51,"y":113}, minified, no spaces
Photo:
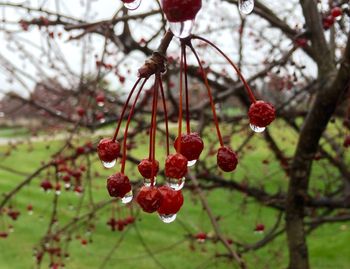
{"x":176,"y":166}
{"x":149,"y":199}
{"x":191,"y":146}
{"x":108,"y":150}
{"x":227,"y":159}
{"x":336,"y":12}
{"x":145,"y":168}
{"x":261,"y":114}
{"x":118,"y":185}
{"x":181,"y":10}
{"x":171,"y":202}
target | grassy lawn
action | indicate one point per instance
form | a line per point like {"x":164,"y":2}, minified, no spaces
{"x":328,"y":246}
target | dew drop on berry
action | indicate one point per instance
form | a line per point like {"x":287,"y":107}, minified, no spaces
{"x":132,"y":5}
{"x":257,"y":129}
{"x":176,"y":184}
{"x":246,"y":6}
{"x":168,"y":218}
{"x":109,"y":165}
{"x":67,"y":185}
{"x":58,"y":192}
{"x":181,"y":29}
{"x":147,"y":182}
{"x":191,"y":163}
{"x":127,"y":198}
{"x":100,"y":104}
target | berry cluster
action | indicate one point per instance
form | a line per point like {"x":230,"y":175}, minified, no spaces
{"x":167,"y":200}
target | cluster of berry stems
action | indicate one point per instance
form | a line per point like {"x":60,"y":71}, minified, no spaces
{"x":168,"y":199}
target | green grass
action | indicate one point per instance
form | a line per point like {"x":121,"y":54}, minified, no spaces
{"x":328,"y":246}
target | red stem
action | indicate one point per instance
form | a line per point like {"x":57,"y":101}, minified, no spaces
{"x":124,"y":109}
{"x":188,"y":126}
{"x":128,"y":123}
{"x":248,"y":89}
{"x":212,"y":104}
{"x":156,"y":85}
{"x":180,"y":101}
{"x":165,"y":114}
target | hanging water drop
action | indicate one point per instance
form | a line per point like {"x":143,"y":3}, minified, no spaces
{"x":100,"y":104}
{"x":132,"y":5}
{"x":176,"y":184}
{"x":127,"y":198}
{"x":191,"y":163}
{"x":147,"y":182}
{"x":246,"y":6}
{"x":167,"y":218}
{"x":181,"y":29}
{"x":257,"y":129}
{"x":109,"y":165}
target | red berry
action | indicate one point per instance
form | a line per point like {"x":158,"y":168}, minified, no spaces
{"x":201,"y":237}
{"x":336,"y":12}
{"x":176,"y":166}
{"x":118,"y":185}
{"x":301,"y":42}
{"x":4,"y":234}
{"x":81,"y":111}
{"x":13,"y":214}
{"x":227,"y":159}
{"x":171,"y":201}
{"x":149,"y":199}
{"x":100,"y":98}
{"x":108,"y":150}
{"x":346,"y":143}
{"x":328,"y":22}
{"x":46,"y":185}
{"x":145,"y":168}
{"x":191,"y":146}
{"x":181,"y":10}
{"x":260,"y":227}
{"x":261,"y":114}
{"x":128,"y":1}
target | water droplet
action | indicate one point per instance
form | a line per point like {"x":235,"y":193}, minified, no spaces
{"x":147,"y":181}
{"x":167,"y":218}
{"x":100,"y":104}
{"x":191,"y":163}
{"x":109,"y":165}
{"x":132,"y":5}
{"x":58,"y":192}
{"x":67,"y":186}
{"x":246,"y":6}
{"x":257,"y":129}
{"x":176,"y":184}
{"x":181,"y":29}
{"x":127,"y":198}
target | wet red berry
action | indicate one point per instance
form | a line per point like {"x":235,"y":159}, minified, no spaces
{"x":191,"y":146}
{"x":149,"y":199}
{"x":336,"y":12}
{"x":181,"y":10}
{"x":108,"y":150}
{"x":145,"y":168}
{"x":46,"y":185}
{"x":260,"y":228}
{"x":176,"y":166}
{"x":171,"y":201}
{"x":118,"y":185}
{"x":227,"y":159}
{"x":261,"y":114}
